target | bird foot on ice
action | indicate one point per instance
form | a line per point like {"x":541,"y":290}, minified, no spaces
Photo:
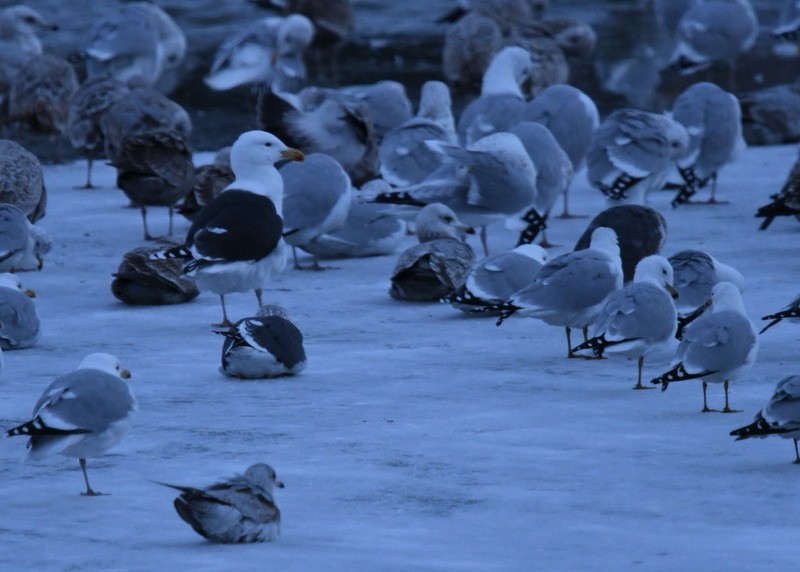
{"x":729,"y":410}
{"x":92,"y":493}
{"x":640,"y":386}
{"x":572,"y":215}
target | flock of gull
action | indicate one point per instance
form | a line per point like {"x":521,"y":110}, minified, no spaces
{"x":348,"y":171}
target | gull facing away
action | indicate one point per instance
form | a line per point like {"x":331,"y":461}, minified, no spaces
{"x":696,"y":273}
{"x":631,"y":153}
{"x":19,"y":324}
{"x":780,"y":417}
{"x":21,"y":180}
{"x":434,"y":268}
{"x":234,"y":243}
{"x":639,"y":318}
{"x":570,"y":289}
{"x":713,"y":119}
{"x":719,"y":346}
{"x":791,"y":312}
{"x":22,"y":244}
{"x":263,"y":346}
{"x":82,"y":414}
{"x":784,"y":203}
{"x":237,"y":510}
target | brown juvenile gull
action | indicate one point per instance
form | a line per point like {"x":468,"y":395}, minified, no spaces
{"x":21,"y":180}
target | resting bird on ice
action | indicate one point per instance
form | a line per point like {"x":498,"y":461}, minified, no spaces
{"x":784,"y":203}
{"x":266,"y":345}
{"x":22,"y":244}
{"x":21,"y":180}
{"x":19,"y":324}
{"x":238,"y":510}
{"x":82,"y":414}
{"x":235,"y":241}
{"x":141,"y":280}
{"x":435,"y":267}
{"x":780,"y":417}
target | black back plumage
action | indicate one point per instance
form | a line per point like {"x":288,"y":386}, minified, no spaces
{"x":277,"y":335}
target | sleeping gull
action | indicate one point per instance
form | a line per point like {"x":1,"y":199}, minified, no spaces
{"x":696,"y":273}
{"x":267,"y":50}
{"x":631,"y":153}
{"x":235,"y":241}
{"x":82,"y":414}
{"x":21,"y":180}
{"x":22,"y":244}
{"x":41,"y":93}
{"x":791,"y":312}
{"x":571,"y":116}
{"x":641,"y":231}
{"x":142,"y":280}
{"x":265,"y":345}
{"x":88,"y":105}
{"x":238,"y":510}
{"x":316,"y":200}
{"x":435,"y":267}
{"x":147,"y":139}
{"x":570,"y":289}
{"x":404,"y":158}
{"x":713,"y":120}
{"x":368,"y":230}
{"x":786,"y":202}
{"x":495,"y":278}
{"x":639,"y":318}
{"x":719,"y":346}
{"x":209,"y":181}
{"x":19,"y":324}
{"x":501,"y":101}
{"x":780,"y":417}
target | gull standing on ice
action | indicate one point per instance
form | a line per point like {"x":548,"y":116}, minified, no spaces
{"x":22,"y":244}
{"x":570,"y":289}
{"x":316,"y":200}
{"x":263,"y":346}
{"x":719,"y":346}
{"x":791,"y":312}
{"x":238,"y":510}
{"x":639,"y":318}
{"x":631,"y":152}
{"x":713,"y":120}
{"x":696,"y":273}
{"x":21,"y":180}
{"x":19,"y":324}
{"x":780,"y":417}
{"x":235,"y":241}
{"x":432,"y":269}
{"x":82,"y":414}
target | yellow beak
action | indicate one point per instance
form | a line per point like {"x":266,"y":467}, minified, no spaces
{"x":293,"y":154}
{"x":672,"y":290}
{"x":30,"y":293}
{"x":125,"y":374}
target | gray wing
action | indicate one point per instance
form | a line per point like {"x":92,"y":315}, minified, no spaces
{"x":489,"y":114}
{"x":553,"y":166}
{"x":386,"y":104}
{"x":635,"y":143}
{"x":404,"y":157}
{"x":253,"y":504}
{"x":85,"y":399}
{"x":639,"y":311}
{"x":718,"y":30}
{"x":717,"y":341}
{"x":19,"y":324}
{"x":783,"y":409}
{"x":311,"y":190}
{"x":499,"y":276}
{"x":694,"y":276}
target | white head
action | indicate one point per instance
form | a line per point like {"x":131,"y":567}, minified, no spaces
{"x":295,"y":34}
{"x":262,"y":476}
{"x":25,"y":20}
{"x":435,"y":103}
{"x":10,"y":280}
{"x":509,"y":69}
{"x":533,"y":251}
{"x":677,"y":136}
{"x":439,"y":221}
{"x":725,"y":296}
{"x":656,"y":270}
{"x":105,"y":362}
{"x":605,"y":239}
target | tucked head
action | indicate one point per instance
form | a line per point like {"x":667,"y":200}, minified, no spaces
{"x":439,"y":221}
{"x":604,"y":238}
{"x":295,"y":34}
{"x":435,"y":101}
{"x":263,"y":476}
{"x":105,"y":362}
{"x":272,"y":310}
{"x":532,"y":251}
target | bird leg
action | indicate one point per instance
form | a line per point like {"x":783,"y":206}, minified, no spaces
{"x":171,"y":212}
{"x":796,"y":454}
{"x":89,"y":492}
{"x":484,"y":242}
{"x":88,"y":185}
{"x":713,"y":199}
{"x":565,"y":212}
{"x":570,"y":353}
{"x":705,"y":403}
{"x":639,"y":378}
{"x":314,"y":266}
{"x":727,"y":408}
{"x":226,"y":323}
{"x":259,"y":293}
{"x":144,"y":222}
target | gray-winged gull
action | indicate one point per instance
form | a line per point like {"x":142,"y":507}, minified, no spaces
{"x":19,"y":324}
{"x":88,"y":105}
{"x":696,"y":273}
{"x":641,"y":231}
{"x":404,"y":158}
{"x":265,"y":345}
{"x":234,"y":511}
{"x":265,"y":51}
{"x":41,"y":93}
{"x":719,"y":346}
{"x":432,"y":269}
{"x":639,"y":318}
{"x":713,"y":120}
{"x":316,"y":200}
{"x":21,"y":180}
{"x":570,"y":289}
{"x":147,"y":140}
{"x":22,"y":244}
{"x":786,"y":202}
{"x":495,"y":278}
{"x":142,"y":280}
{"x":631,"y":153}
{"x":780,"y":417}
{"x":501,"y":101}
{"x":791,"y":312}
{"x":81,"y":414}
{"x":235,"y":243}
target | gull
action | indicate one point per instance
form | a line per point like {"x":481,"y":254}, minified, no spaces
{"x":786,"y":202}
{"x":41,"y":93}
{"x":21,"y":180}
{"x":333,"y":19}
{"x":696,"y":273}
{"x":22,"y":244}
{"x":713,"y":120}
{"x":639,"y":318}
{"x":238,"y":510}
{"x":719,"y":346}
{"x":316,"y":200}
{"x":19,"y":324}
{"x":19,"y":41}
{"x":234,"y":243}
{"x":570,"y":289}
{"x":142,"y":280}
{"x":436,"y":266}
{"x":788,"y":28}
{"x":771,"y":115}
{"x":495,"y":278}
{"x":780,"y":417}
{"x":791,"y":312}
{"x":209,"y":181}
{"x":469,"y":46}
{"x":82,"y":414}
{"x":263,"y":346}
{"x":631,"y":152}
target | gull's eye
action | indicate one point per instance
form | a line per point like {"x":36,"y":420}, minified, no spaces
{"x":447,"y":218}
{"x":268,"y":144}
